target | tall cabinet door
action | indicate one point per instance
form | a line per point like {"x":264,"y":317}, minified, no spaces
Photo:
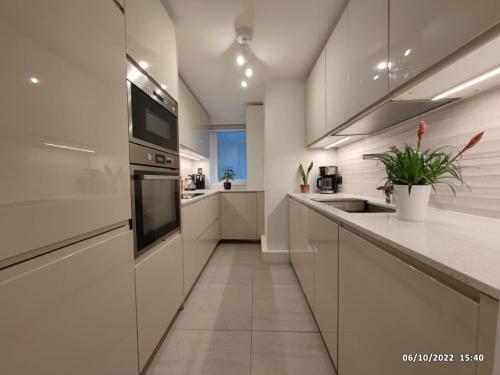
{"x":337,"y":72}
{"x":71,"y":311}
{"x":151,"y":42}
{"x":368,"y":53}
{"x":315,"y":101}
{"x":323,"y":239}
{"x":63,"y":122}
{"x":388,"y":308}
{"x":294,"y":229}
{"x":425,"y":31}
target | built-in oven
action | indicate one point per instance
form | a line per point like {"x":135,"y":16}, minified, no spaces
{"x":152,"y":113}
{"x":155,"y":196}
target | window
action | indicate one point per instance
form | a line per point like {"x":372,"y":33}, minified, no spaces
{"x":232,"y":153}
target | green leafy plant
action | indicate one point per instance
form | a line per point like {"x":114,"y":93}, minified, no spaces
{"x":228,"y":175}
{"x":303,"y":174}
{"x":409,"y":166}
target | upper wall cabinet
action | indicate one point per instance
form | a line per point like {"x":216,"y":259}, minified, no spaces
{"x":337,"y":72}
{"x":151,"y":42}
{"x":194,"y":122}
{"x":315,"y":101}
{"x":368,"y":51}
{"x":424,"y":32}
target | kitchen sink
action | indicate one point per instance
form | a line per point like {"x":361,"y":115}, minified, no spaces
{"x":354,"y":205}
{"x":190,"y":195}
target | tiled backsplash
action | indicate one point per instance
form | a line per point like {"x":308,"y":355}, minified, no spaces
{"x":453,"y":125}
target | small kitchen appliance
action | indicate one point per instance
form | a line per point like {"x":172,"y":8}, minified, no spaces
{"x":199,"y":179}
{"x":329,"y":180}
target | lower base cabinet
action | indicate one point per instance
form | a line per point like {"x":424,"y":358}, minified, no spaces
{"x":159,"y":294}
{"x":71,"y":311}
{"x":242,"y":215}
{"x":388,"y":309}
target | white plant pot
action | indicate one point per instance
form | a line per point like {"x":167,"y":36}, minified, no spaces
{"x":413,"y":206}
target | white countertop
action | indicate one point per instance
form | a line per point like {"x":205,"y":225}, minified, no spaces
{"x":208,"y":192}
{"x":465,"y":247}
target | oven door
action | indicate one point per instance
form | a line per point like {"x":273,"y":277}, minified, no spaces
{"x":155,"y":205}
{"x":152,"y":118}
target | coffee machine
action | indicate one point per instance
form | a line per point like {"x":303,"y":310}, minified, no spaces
{"x":329,"y":180}
{"x":199,"y":179}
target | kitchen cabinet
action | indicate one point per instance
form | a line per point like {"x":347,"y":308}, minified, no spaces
{"x":194,"y":122}
{"x":301,"y":254}
{"x":71,"y":311}
{"x":239,"y":220}
{"x":64,"y":143}
{"x":151,"y":42}
{"x":315,"y":101}
{"x":336,"y":76}
{"x":159,"y":293}
{"x":200,"y":235}
{"x":324,"y":242}
{"x":368,"y":27}
{"x":388,"y":308}
{"x":424,"y":32}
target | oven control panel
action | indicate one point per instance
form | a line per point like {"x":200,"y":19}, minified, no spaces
{"x":147,"y":156}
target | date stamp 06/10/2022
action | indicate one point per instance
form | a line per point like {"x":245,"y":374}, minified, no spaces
{"x":440,"y":357}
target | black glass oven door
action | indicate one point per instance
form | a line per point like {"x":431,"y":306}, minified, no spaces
{"x":156,"y":207}
{"x":152,"y":123}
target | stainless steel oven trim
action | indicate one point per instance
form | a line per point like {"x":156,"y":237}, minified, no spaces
{"x":130,"y":125}
{"x":174,"y":174}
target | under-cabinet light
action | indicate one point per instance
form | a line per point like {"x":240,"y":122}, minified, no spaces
{"x":337,"y":143}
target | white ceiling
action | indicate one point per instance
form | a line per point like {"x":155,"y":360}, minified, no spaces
{"x":288,"y":35}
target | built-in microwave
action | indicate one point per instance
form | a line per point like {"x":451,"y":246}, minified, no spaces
{"x":152,"y":113}
{"x":155,"y":196}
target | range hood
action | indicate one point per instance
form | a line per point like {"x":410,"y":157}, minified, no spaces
{"x":474,"y":68}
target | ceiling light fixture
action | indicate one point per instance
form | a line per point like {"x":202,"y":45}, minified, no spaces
{"x":143,"y":64}
{"x":249,"y":72}
{"x":468,"y":83}
{"x":407,"y":52}
{"x":376,"y":77}
{"x":381,"y":65}
{"x":337,"y":143}
{"x":240,"y":60}
{"x":34,"y":80}
{"x":244,"y":84}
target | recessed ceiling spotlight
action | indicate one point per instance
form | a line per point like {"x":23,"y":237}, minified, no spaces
{"x":143,"y":64}
{"x":376,"y":77}
{"x":249,"y":72}
{"x":34,"y":80}
{"x":244,"y":84}
{"x":240,"y":60}
{"x":407,"y":52}
{"x":164,"y":87}
{"x":381,"y":65}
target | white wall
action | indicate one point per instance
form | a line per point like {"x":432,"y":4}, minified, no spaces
{"x":255,"y":145}
{"x":284,"y":148}
{"x":454,"y":126}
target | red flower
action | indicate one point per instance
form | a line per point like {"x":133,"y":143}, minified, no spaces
{"x":422,"y":128}
{"x":473,"y":141}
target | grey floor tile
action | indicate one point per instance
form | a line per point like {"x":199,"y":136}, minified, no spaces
{"x":274,"y":274}
{"x":227,"y":273}
{"x":235,"y":253}
{"x":217,"y":306}
{"x":281,"y":308}
{"x":289,"y":353}
{"x":203,"y":353}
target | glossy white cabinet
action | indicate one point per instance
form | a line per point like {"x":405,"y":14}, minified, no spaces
{"x":324,"y":241}
{"x":424,"y":32}
{"x":200,"y":235}
{"x":337,"y":74}
{"x":315,"y":101}
{"x":239,"y":220}
{"x":194,"y":122}
{"x":71,"y":311}
{"x":159,"y":293}
{"x":63,"y":123}
{"x":367,"y":52}
{"x":151,"y":42}
{"x":388,"y":308}
{"x":295,"y":230}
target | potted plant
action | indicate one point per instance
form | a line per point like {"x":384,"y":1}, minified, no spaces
{"x":304,"y":188}
{"x":412,"y":173}
{"x":227,"y":177}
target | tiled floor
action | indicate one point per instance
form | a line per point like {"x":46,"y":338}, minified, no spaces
{"x":243,"y":317}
